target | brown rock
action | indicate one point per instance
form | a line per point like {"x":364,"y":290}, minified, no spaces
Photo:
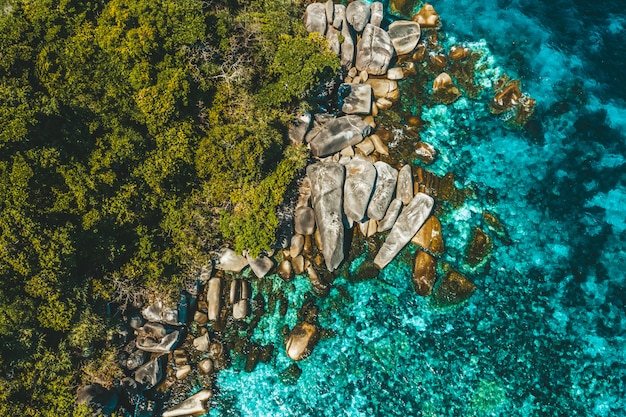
{"x":429,"y":236}
{"x":301,"y":341}
{"x":206,"y":366}
{"x":425,"y":152}
{"x":298,"y":265}
{"x":439,"y":61}
{"x":458,"y":52}
{"x":285,"y":271}
{"x":454,"y":289}
{"x":479,"y":247}
{"x":427,"y":17}
{"x":424,"y":273}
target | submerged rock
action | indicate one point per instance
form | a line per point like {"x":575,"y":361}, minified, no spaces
{"x":444,"y":89}
{"x":374,"y":51}
{"x":358,"y":187}
{"x":427,"y":17}
{"x":383,"y":192}
{"x":301,"y":341}
{"x":407,"y":225}
{"x":404,"y":36}
{"x":479,"y":247}
{"x":355,"y":98}
{"x":403,"y":7}
{"x":339,"y":133}
{"x":327,"y":197}
{"x":315,"y":18}
{"x":358,"y":14}
{"x":454,"y":289}
{"x":194,"y":405}
{"x":424,"y":273}
{"x":429,"y":236}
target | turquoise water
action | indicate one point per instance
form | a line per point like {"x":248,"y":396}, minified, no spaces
{"x":544,"y":334}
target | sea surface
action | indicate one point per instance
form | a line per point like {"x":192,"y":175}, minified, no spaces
{"x":545,"y":332}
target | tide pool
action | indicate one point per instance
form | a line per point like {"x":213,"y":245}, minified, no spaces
{"x":545,"y":332}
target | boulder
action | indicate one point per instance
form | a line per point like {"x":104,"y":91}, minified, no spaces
{"x":374,"y":51}
{"x":165,"y":345}
{"x":154,"y":330}
{"x":260,"y":265}
{"x":379,"y":145}
{"x":135,"y":321}
{"x":102,"y":401}
{"x":454,"y":289}
{"x":201,"y":343}
{"x":194,"y":405}
{"x":200,"y":317}
{"x":407,"y":225}
{"x":214,"y":298}
{"x":206,"y":366}
{"x":297,"y":244}
{"x":183,"y":372}
{"x":136,"y":359}
{"x":395,"y":73}
{"x":391,"y":216}
{"x":299,"y":127}
{"x":347,"y":49}
{"x":339,"y":17}
{"x":386,"y":177}
{"x":332,"y":38}
{"x":285,"y":270}
{"x":339,"y":133}
{"x":327,"y":196}
{"x":151,"y":373}
{"x":404,"y":36}
{"x":384,"y":88}
{"x":180,"y":357}
{"x":404,"y":191}
{"x":301,"y":341}
{"x":231,"y":261}
{"x":304,"y":220}
{"x":298,"y":265}
{"x":330,"y":11}
{"x":429,"y":236}
{"x":377,"y":13}
{"x":355,"y":98}
{"x":358,"y":14}
{"x":315,"y":18}
{"x":241,"y":309}
{"x":424,"y":273}
{"x":159,"y":313}
{"x":358,"y":187}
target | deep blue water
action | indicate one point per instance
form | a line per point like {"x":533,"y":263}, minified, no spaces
{"x":544,"y":334}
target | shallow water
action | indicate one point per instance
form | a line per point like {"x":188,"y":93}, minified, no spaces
{"x":544,"y":334}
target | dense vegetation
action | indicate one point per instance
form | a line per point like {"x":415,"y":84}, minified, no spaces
{"x":136,"y":136}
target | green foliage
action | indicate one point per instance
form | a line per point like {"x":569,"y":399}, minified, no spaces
{"x":136,"y":137}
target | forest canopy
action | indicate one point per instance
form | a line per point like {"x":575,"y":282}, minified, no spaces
{"x":136,"y":137}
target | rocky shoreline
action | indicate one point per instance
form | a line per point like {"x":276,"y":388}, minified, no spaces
{"x":363,"y":186}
